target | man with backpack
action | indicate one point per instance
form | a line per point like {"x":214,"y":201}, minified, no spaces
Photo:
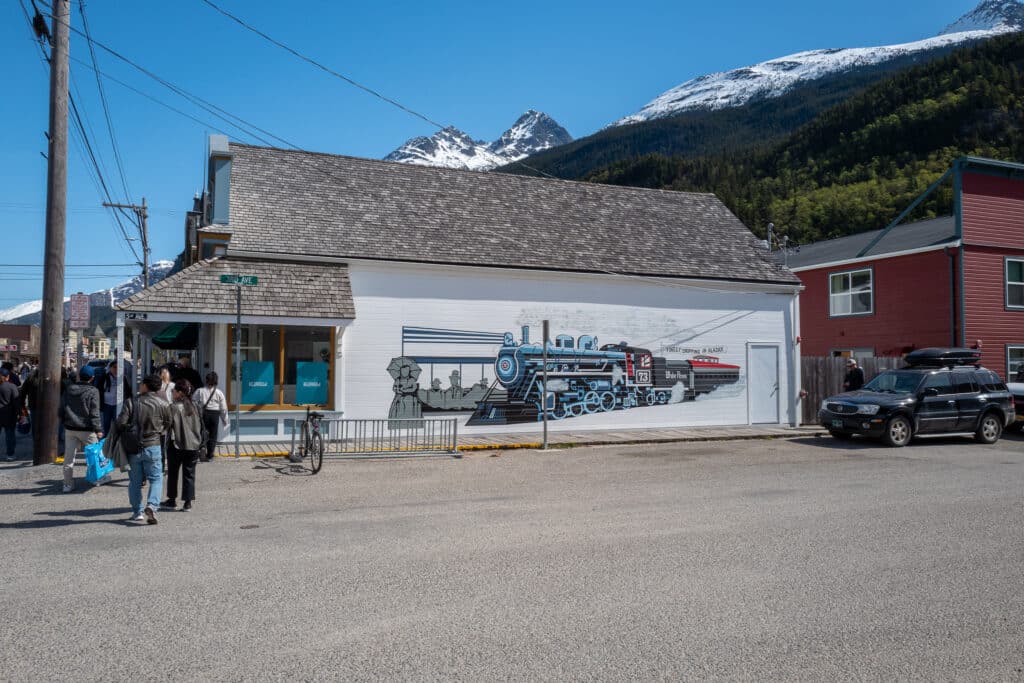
{"x":142,"y":424}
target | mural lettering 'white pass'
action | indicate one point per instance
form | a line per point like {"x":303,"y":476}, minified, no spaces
{"x":764,"y":384}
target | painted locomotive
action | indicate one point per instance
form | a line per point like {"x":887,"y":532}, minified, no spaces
{"x":583,"y":377}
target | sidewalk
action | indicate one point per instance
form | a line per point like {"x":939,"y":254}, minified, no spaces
{"x":572,"y":439}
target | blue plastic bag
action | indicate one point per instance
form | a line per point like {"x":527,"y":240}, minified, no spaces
{"x":96,"y":466}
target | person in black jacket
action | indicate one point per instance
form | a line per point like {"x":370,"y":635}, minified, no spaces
{"x":10,"y":409}
{"x":854,"y":376}
{"x":80,"y":408}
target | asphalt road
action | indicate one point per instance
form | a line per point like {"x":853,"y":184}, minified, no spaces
{"x":786,"y":560}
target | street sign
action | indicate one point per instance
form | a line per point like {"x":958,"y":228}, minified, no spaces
{"x":136,"y":316}
{"x":231,"y":279}
{"x":79,"y":318}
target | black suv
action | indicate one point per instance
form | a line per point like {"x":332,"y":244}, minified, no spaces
{"x":941,"y":391}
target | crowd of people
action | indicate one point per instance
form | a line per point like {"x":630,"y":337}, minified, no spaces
{"x":167,"y":427}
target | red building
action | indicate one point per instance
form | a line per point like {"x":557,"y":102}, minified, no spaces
{"x":953,"y":281}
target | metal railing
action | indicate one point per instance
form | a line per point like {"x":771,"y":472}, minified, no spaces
{"x":344,"y":437}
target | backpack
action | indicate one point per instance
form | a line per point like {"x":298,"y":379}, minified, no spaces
{"x":131,"y":436}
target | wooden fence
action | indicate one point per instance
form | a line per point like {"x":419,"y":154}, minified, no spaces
{"x":823,"y":377}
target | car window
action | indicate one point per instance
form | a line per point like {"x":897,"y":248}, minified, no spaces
{"x":963,"y":383}
{"x":902,"y":381}
{"x":940,"y":381}
{"x":990,"y":381}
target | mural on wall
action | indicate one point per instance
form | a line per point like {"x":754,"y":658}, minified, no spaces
{"x":582,"y":378}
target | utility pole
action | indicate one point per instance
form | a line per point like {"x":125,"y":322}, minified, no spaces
{"x":45,"y":447}
{"x":142,"y":215}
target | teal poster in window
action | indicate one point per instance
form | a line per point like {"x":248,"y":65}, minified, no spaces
{"x":311,"y":383}
{"x":257,"y":382}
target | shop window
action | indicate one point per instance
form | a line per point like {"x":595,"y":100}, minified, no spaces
{"x":283,"y":366}
{"x":1014,"y":283}
{"x":851,"y":293}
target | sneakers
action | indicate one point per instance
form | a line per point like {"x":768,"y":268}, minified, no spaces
{"x":137,"y":517}
{"x":150,"y":515}
{"x":68,"y":488}
{"x":168,"y":504}
{"x":10,"y":458}
{"x":187,"y":507}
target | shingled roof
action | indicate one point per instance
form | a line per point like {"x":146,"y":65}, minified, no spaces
{"x":294,"y":290}
{"x":934,"y":232}
{"x":295,"y":202}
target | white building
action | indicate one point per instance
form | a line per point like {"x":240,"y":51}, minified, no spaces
{"x":393,"y":291}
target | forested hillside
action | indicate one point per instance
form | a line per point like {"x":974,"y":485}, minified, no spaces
{"x":697,"y":133}
{"x":855,"y":166}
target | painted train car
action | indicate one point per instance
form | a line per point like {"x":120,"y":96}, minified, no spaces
{"x":583,"y":378}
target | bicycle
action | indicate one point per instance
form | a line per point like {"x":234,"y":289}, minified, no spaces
{"x":313,"y":440}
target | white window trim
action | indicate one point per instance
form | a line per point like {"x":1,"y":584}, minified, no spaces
{"x":1007,"y":283}
{"x":870,"y":272}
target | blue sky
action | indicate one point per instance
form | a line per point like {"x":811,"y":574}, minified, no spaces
{"x":475,"y":65}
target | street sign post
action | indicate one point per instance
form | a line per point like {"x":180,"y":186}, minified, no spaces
{"x":238,"y":281}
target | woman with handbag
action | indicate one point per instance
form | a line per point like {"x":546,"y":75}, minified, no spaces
{"x":214,"y":408}
{"x":184,"y":441}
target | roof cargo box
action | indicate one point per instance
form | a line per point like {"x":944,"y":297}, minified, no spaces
{"x":941,"y":357}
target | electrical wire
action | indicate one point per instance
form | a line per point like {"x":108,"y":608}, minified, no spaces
{"x":332,"y":72}
{"x":103,"y":102}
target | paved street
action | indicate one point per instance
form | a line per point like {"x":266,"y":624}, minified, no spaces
{"x":792,"y":560}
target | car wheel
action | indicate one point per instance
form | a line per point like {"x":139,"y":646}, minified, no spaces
{"x":842,"y":436}
{"x":898,"y":432}
{"x":989,"y":429}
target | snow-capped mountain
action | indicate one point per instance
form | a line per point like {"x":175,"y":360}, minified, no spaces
{"x":29,"y":312}
{"x":777,"y":76}
{"x":1006,"y":15}
{"x":533,"y":132}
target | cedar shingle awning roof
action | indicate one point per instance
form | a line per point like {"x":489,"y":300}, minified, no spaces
{"x":285,"y":290}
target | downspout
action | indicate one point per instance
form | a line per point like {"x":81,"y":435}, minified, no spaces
{"x":958,"y":212}
{"x":951,"y":253}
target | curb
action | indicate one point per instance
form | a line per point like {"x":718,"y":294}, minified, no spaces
{"x":565,"y":445}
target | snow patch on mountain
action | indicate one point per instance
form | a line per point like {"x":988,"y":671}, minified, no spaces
{"x":777,"y":76}
{"x":451,"y":148}
{"x":990,"y":15}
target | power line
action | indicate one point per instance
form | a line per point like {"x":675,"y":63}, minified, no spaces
{"x":322,"y":67}
{"x":103,"y":102}
{"x":310,"y":60}
{"x":73,"y":265}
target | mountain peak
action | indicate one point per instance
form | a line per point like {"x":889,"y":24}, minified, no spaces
{"x":990,"y":15}
{"x":450,"y":147}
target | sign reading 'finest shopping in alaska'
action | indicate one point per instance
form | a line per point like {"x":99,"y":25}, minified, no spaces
{"x":310,"y":383}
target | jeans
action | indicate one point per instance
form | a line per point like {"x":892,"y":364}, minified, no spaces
{"x":10,"y":433}
{"x":145,"y":464}
{"x":108,"y":413}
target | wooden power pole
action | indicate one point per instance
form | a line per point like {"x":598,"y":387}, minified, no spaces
{"x":45,"y":447}
{"x":142,"y":214}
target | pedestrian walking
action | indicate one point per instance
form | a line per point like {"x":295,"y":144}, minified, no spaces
{"x":29,"y":395}
{"x":149,"y":417}
{"x":10,"y":410}
{"x":80,"y":407}
{"x":166,"y":385}
{"x":854,"y":379}
{"x":214,"y":408}
{"x":187,"y":372}
{"x":184,"y":440}
{"x":12,"y":376}
{"x":107,"y":384}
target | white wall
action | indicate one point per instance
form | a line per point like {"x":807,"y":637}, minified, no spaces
{"x":642,"y":312}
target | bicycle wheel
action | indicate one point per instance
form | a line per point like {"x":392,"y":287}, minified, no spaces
{"x":315,"y":451}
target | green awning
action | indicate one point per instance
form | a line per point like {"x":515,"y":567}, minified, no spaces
{"x":179,"y":336}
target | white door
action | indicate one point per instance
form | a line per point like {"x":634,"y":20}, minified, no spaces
{"x":763,"y":383}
